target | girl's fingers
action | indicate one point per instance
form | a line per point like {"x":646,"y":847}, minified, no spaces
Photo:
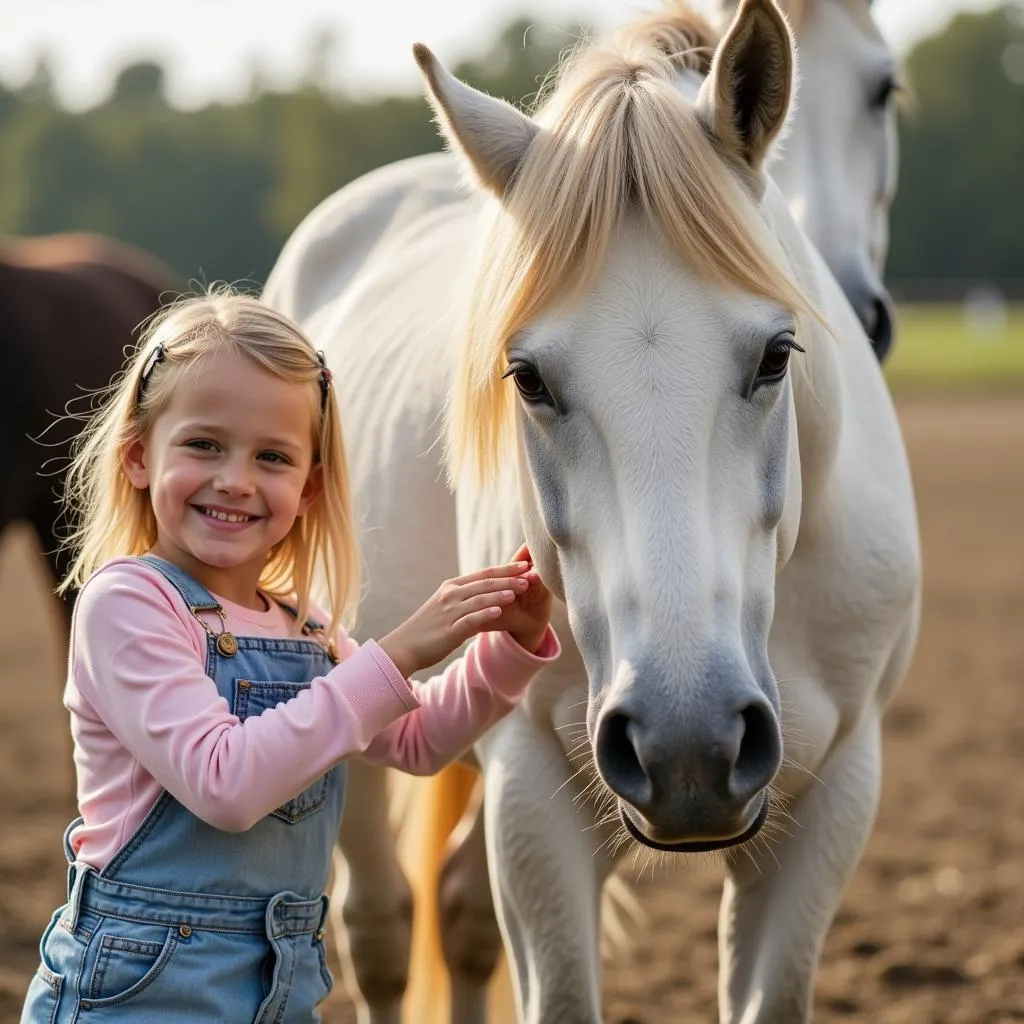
{"x":473,"y":623}
{"x":508,"y":570}
{"x":493,"y":585}
{"x":482,"y":601}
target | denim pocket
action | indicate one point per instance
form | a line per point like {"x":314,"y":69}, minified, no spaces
{"x":252,"y":698}
{"x":59,"y":955}
{"x":43,"y":997}
{"x":126,"y":958}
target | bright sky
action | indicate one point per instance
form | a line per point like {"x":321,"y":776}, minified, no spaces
{"x":211,"y":46}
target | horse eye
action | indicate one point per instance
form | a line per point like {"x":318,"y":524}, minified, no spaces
{"x":775,"y":361}
{"x":528,"y":382}
{"x":884,"y":92}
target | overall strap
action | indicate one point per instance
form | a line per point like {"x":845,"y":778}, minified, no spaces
{"x":194,"y":594}
{"x":199,"y":600}
{"x":311,"y":626}
{"x":314,"y":628}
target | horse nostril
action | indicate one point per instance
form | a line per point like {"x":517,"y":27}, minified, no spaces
{"x":759,"y":754}
{"x":879,"y":327}
{"x":618,"y":761}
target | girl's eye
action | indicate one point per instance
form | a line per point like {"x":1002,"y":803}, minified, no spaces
{"x":275,"y":457}
{"x":201,"y":444}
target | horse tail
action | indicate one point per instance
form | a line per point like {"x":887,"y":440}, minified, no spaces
{"x":427,"y":812}
{"x":430,"y":809}
{"x":622,"y":916}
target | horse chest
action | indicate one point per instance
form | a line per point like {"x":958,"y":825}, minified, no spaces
{"x":842,"y":602}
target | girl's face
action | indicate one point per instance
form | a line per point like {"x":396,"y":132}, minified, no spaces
{"x":229,"y":467}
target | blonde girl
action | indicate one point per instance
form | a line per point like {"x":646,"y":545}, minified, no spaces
{"x":212,"y":704}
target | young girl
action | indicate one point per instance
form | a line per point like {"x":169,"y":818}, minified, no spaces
{"x":211,"y":709}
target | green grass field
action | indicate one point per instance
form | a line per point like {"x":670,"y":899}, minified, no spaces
{"x":938,"y":346}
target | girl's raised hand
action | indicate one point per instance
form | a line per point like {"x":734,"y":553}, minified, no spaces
{"x":509,"y":597}
{"x":526,"y":618}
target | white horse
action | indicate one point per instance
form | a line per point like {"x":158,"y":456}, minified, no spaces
{"x":838,"y":165}
{"x":677,"y":486}
{"x":840,"y":157}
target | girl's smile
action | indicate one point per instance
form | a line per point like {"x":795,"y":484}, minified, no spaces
{"x":224,"y":518}
{"x":229,"y":467}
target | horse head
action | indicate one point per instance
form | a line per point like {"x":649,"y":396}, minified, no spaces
{"x":632,"y":323}
{"x":838,"y":166}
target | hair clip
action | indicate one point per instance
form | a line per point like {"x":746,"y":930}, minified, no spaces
{"x":326,"y":377}
{"x":157,"y":356}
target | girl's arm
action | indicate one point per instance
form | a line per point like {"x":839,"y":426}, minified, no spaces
{"x":461,"y":703}
{"x":513,"y":607}
{"x":136,"y":663}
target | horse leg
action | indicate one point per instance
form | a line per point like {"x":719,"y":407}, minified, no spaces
{"x":547,"y":870}
{"x":375,"y":901}
{"x":470,"y":938}
{"x":777,"y":905}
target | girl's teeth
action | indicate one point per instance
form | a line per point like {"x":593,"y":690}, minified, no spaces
{"x":227,"y":517}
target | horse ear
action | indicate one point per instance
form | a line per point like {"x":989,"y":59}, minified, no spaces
{"x":491,"y":134}
{"x":745,"y":98}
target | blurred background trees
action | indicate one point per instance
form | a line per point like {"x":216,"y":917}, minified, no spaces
{"x":216,"y":191}
{"x":960,"y":210}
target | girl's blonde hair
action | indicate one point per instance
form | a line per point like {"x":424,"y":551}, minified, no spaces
{"x":114,"y":518}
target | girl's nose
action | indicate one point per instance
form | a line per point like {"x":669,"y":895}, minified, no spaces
{"x":234,"y":479}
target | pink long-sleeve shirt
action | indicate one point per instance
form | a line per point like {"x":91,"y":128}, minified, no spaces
{"x":146,"y":718}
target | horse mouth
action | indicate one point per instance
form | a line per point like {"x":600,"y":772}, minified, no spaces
{"x":696,"y":846}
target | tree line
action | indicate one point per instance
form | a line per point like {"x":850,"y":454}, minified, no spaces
{"x":216,"y":191}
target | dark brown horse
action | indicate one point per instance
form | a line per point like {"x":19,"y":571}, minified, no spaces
{"x":70,"y":308}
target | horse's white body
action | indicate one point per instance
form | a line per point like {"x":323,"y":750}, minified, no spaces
{"x":373,"y":276}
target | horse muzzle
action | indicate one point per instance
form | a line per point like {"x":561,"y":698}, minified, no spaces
{"x":695,"y":845}
{"x":878,"y":321}
{"x":691,"y":781}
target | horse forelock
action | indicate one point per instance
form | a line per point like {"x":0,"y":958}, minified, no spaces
{"x":618,"y":140}
{"x":687,"y":38}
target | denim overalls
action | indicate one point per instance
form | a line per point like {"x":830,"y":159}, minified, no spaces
{"x":190,"y":923}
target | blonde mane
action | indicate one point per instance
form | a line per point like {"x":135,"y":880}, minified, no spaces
{"x":684,"y":36}
{"x":618,"y":140}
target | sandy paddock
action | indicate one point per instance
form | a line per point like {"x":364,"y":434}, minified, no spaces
{"x":932,"y":928}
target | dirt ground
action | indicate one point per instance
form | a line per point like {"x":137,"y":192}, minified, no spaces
{"x":931,"y":930}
